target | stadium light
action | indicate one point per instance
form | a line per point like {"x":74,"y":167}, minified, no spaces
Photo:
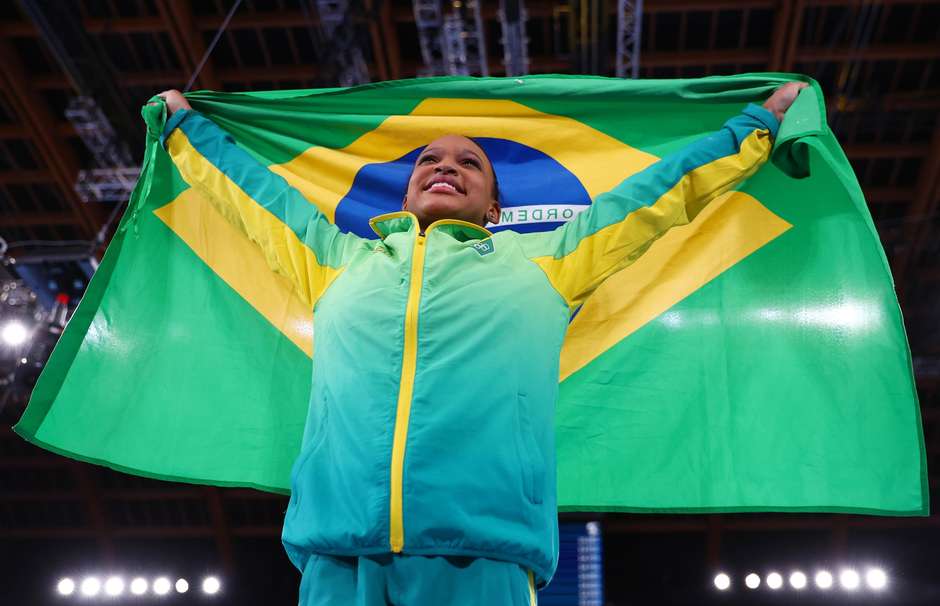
{"x":722,"y":581}
{"x":797,"y":580}
{"x":876,"y":578}
{"x":14,"y":333}
{"x":114,"y":586}
{"x":752,"y":581}
{"x":182,"y":586}
{"x":211,"y":585}
{"x":774,"y":580}
{"x":161,"y":586}
{"x":90,"y":586}
{"x":66,"y":586}
{"x":139,"y":586}
{"x":824,"y":579}
{"x":849,"y":579}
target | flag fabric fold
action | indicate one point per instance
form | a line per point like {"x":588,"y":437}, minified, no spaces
{"x":753,"y":360}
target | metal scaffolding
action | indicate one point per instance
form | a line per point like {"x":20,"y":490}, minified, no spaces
{"x":115,"y":179}
{"x":451,"y":43}
{"x":512,"y":19}
{"x":629,"y":26}
{"x":340,"y":45}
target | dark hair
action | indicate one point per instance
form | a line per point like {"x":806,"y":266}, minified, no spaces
{"x":493,"y":168}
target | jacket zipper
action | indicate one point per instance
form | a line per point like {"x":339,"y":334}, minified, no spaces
{"x":405,"y":391}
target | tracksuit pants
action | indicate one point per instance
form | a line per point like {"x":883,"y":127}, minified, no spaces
{"x":411,"y":580}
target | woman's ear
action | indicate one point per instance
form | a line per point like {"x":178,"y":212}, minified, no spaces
{"x":404,"y":203}
{"x":492,"y":215}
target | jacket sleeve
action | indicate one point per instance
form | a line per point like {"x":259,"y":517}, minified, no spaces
{"x":622,"y":224}
{"x":297,"y":240}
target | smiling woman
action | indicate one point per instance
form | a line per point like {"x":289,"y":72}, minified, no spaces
{"x":424,"y":475}
{"x":453,"y":179}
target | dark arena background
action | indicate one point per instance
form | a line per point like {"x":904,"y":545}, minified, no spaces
{"x":73,"y":75}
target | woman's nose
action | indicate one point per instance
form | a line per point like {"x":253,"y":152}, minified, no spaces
{"x":444,"y":167}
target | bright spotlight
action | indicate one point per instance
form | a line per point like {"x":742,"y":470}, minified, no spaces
{"x":161,"y":586}
{"x":722,"y":581}
{"x":14,"y":333}
{"x":849,"y":579}
{"x":91,"y":586}
{"x":66,"y":586}
{"x":797,"y":580}
{"x":182,"y":586}
{"x":114,"y":586}
{"x":774,"y":580}
{"x":752,"y":581}
{"x":211,"y":585}
{"x":876,"y":578}
{"x":824,"y":579}
{"x":139,"y":586}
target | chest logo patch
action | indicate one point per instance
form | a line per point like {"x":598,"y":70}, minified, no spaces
{"x":484,"y":247}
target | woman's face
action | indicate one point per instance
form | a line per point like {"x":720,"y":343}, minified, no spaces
{"x":452,"y":179}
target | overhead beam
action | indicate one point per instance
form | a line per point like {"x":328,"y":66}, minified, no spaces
{"x":786,"y":34}
{"x":888,"y":195}
{"x":268,"y":531}
{"x":672,"y":6}
{"x":921,"y":211}
{"x":275,"y":73}
{"x":187,"y":41}
{"x":220,"y":528}
{"x":538,"y":64}
{"x":811,"y":54}
{"x":57,"y":155}
{"x":635,"y":525}
{"x":778,"y":37}
{"x":390,"y":36}
{"x":695,"y":58}
{"x":18,"y":131}
{"x":25,"y":177}
{"x":390,"y":31}
{"x":401,"y":13}
{"x":885,"y":150}
{"x":379,"y":49}
{"x":87,"y":487}
{"x":924,"y":99}
{"x":32,"y":219}
{"x":546,"y":8}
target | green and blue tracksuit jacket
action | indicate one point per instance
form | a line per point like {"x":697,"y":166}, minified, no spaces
{"x":435,"y":368}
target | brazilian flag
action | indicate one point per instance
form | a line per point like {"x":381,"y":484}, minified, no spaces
{"x":752,"y":360}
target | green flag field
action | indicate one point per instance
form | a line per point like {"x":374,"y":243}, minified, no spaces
{"x":753,"y":360}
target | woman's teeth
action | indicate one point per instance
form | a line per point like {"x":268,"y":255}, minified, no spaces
{"x":443,"y":187}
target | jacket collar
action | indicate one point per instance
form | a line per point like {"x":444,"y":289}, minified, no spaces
{"x":389,"y":223}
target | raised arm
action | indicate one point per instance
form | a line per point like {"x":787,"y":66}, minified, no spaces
{"x":297,"y":240}
{"x":623,"y":223}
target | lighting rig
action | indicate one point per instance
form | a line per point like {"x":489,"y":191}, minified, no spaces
{"x":115,"y":586}
{"x":452,"y":42}
{"x":629,"y":27}
{"x":338,"y":42}
{"x":28,"y":332}
{"x":116,"y":174}
{"x":849,"y":579}
{"x":512,"y":19}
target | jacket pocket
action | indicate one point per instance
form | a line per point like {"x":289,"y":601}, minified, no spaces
{"x":530,"y":457}
{"x":316,"y":439}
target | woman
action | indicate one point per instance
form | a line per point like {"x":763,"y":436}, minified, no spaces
{"x":427,"y":470}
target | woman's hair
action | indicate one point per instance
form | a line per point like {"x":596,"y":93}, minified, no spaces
{"x":493,"y":168}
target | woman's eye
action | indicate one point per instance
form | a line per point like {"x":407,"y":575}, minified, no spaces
{"x":473,"y":163}
{"x":425,"y":159}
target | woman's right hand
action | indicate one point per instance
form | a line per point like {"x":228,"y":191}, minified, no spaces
{"x":175,"y":100}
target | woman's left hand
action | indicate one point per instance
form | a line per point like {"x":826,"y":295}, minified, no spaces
{"x":783,"y":98}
